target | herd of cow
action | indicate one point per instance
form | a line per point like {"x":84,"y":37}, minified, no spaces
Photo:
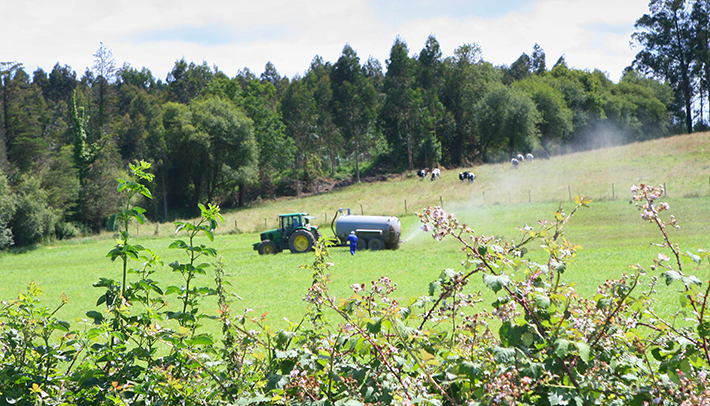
{"x":520,"y":158}
{"x":467,"y":175}
{"x":436,"y":174}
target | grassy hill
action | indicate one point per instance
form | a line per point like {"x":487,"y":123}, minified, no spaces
{"x":682,"y":163}
{"x":501,"y":199}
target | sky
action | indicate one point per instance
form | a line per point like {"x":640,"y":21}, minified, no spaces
{"x":235,"y":34}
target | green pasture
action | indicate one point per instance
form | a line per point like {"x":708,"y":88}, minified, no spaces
{"x":611,"y":231}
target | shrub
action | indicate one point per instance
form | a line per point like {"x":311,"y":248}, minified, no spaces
{"x":65,"y":230}
{"x":33,"y":220}
{"x":7,"y":210}
{"x":542,"y":344}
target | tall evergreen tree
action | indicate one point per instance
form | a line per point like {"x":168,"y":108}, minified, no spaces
{"x":354,"y":102}
{"x":666,"y":38}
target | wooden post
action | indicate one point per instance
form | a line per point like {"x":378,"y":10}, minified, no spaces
{"x":405,"y":206}
{"x":484,"y":198}
{"x":361,"y":210}
{"x":613,"y":192}
{"x":235,"y":225}
{"x":569,"y":191}
{"x":264,"y":222}
{"x":529,"y":197}
{"x":665,"y":191}
{"x":441,"y":200}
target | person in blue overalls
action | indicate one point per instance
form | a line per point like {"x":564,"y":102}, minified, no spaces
{"x":352,"y":239}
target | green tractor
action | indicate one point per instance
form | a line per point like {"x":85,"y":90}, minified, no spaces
{"x":295,"y":232}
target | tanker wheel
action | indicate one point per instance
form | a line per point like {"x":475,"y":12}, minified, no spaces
{"x":267,"y":247}
{"x":361,"y":244}
{"x":375,"y":244}
{"x":301,"y":241}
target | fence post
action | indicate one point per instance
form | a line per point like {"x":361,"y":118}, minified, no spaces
{"x":484,"y":198}
{"x":405,"y":206}
{"x":529,"y":197}
{"x":665,"y":191}
{"x":569,"y":192}
{"x":441,"y":200}
{"x":264,"y":222}
{"x":362,"y":211}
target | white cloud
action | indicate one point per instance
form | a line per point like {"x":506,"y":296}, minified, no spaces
{"x":234,"y":35}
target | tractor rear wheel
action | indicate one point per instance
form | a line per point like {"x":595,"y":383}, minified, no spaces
{"x":375,"y":244}
{"x":301,"y":241}
{"x":267,"y":247}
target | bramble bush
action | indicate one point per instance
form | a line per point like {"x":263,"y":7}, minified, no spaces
{"x":540,"y":344}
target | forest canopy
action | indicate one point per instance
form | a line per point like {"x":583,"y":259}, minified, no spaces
{"x":232,"y":139}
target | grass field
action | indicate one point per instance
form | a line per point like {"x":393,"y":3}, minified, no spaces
{"x":610,"y":231}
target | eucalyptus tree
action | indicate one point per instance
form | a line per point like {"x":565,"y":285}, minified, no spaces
{"x":401,"y":114}
{"x":299,"y":110}
{"x":25,"y":118}
{"x":700,"y":22}
{"x":537,"y":60}
{"x":329,"y":136}
{"x":438,"y":122}
{"x":105,"y":73}
{"x":187,"y":81}
{"x":666,"y":38}
{"x":259,"y":100}
{"x":354,"y":103}
{"x":466,"y":78}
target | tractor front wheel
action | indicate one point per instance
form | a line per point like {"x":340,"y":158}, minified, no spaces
{"x":267,"y":247}
{"x":301,"y":241}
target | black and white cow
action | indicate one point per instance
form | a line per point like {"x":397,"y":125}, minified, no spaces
{"x":435,"y":174}
{"x":515,"y":163}
{"x":529,"y":157}
{"x":520,"y":158}
{"x":422,"y":173}
{"x":466,"y":175}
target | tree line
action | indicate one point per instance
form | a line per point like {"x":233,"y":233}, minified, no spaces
{"x":233,"y":140}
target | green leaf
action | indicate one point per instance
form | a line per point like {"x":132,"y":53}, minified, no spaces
{"x":112,"y":222}
{"x":694,"y":257}
{"x":704,"y":329}
{"x":561,"y":347}
{"x":671,"y":276}
{"x":584,"y":350}
{"x":470,"y":370}
{"x":374,"y":328}
{"x":98,"y":317}
{"x":542,"y":301}
{"x":496,"y":282}
{"x":202,"y":339}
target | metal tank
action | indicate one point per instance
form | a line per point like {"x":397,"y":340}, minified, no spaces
{"x":373,"y":232}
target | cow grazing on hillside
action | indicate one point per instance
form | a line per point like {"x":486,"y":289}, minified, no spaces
{"x":466,"y":175}
{"x":515,"y":163}
{"x":529,"y":157}
{"x":520,"y":158}
{"x":435,"y":174}
{"x":422,"y":173}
